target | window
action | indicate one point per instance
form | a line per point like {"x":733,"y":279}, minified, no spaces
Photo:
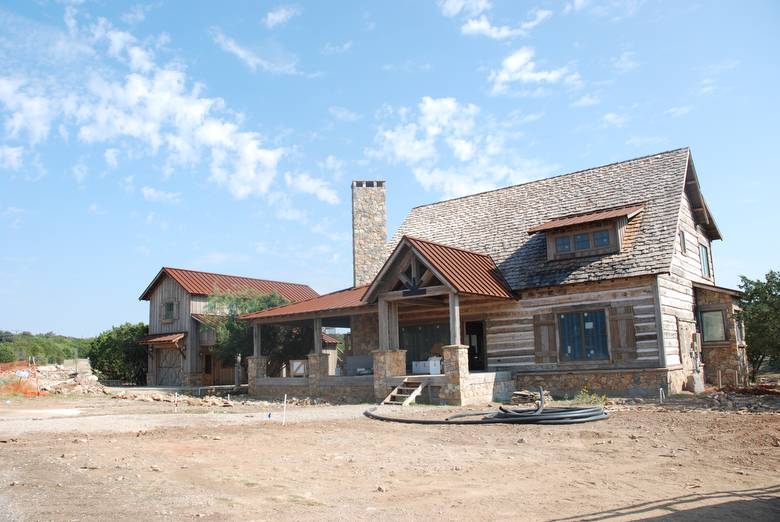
{"x":582,"y":241}
{"x":563,"y":244}
{"x":704,"y":255}
{"x":683,"y":246}
{"x":712,"y":327}
{"x":740,"y":331}
{"x":583,"y":336}
{"x":167,"y":311}
{"x":601,"y":238}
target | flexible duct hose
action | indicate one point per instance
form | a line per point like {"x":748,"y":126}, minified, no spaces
{"x":540,"y":415}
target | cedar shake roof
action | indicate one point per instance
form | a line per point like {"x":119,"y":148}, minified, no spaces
{"x":497,"y":222}
{"x":206,"y":283}
{"x":588,"y":217}
{"x":341,"y":300}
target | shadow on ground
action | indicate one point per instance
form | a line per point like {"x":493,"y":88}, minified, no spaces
{"x":750,"y":504}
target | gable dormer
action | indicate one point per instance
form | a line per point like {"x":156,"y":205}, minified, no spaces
{"x":585,"y":234}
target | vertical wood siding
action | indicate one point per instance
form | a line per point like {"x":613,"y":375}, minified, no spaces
{"x":169,"y":290}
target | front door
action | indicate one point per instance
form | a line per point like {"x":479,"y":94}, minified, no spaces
{"x":169,"y":362}
{"x":208,"y":369}
{"x":475,"y":339}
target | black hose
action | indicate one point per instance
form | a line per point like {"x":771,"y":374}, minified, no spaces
{"x":540,"y":415}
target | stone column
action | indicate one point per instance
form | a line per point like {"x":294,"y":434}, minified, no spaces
{"x":455,"y":366}
{"x":318,"y":368}
{"x":256,"y":367}
{"x":387,"y":364}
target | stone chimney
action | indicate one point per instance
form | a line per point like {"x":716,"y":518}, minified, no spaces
{"x":369,"y":229}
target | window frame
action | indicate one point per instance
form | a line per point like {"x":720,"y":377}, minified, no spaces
{"x":683,"y":244}
{"x":724,"y":322}
{"x":704,"y":260}
{"x":607,"y":349}
{"x":612,"y":247}
{"x":163,"y":315}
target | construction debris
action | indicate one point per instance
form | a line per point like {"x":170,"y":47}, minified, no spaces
{"x":49,"y":379}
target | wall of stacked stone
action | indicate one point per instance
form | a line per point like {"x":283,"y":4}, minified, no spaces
{"x":369,"y":229}
{"x":365,"y":333}
{"x":387,"y":364}
{"x":482,"y":388}
{"x":729,"y":359}
{"x":632,"y":383}
{"x":337,"y":389}
{"x":455,"y":366}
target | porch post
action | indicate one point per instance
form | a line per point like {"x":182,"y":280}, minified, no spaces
{"x":384,"y":332}
{"x":256,"y":340}
{"x":454,"y":319}
{"x":318,"y":336}
{"x":392,"y":325}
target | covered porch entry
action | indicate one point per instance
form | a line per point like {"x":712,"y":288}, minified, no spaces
{"x":166,"y":358}
{"x":432,"y":304}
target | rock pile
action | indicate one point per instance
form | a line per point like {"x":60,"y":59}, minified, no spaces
{"x":529,"y":397}
{"x":54,"y":379}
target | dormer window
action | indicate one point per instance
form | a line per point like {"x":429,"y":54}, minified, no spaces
{"x":592,"y":233}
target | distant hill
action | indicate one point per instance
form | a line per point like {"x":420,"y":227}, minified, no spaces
{"x":46,"y":348}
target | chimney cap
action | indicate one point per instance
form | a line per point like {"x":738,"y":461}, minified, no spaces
{"x":378,"y":183}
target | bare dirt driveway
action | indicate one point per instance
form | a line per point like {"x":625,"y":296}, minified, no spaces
{"x":96,"y":458}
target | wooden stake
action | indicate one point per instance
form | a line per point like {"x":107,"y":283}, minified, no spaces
{"x":284,"y":411}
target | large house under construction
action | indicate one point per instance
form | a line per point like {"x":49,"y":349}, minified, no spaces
{"x":601,"y":278}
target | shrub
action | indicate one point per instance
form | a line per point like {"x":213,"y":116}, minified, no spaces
{"x":116,"y":354}
{"x":584,"y":396}
{"x":7,"y":354}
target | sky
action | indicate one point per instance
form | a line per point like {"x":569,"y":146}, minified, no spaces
{"x":191,"y":134}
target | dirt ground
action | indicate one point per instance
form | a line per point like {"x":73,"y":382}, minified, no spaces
{"x":97,"y":458}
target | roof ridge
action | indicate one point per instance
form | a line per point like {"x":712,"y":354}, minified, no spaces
{"x":306,"y":300}
{"x":554,"y":177}
{"x":414,"y":238}
{"x":236,"y":276}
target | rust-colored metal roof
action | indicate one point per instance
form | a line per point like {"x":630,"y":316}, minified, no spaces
{"x":327,"y":339}
{"x":168,"y":338}
{"x":342,"y":299}
{"x":466,"y":271}
{"x":587,"y":217}
{"x":206,"y":283}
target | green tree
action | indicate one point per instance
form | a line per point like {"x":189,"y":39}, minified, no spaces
{"x":234,"y":336}
{"x":116,"y":353}
{"x":7,"y":353}
{"x":761,"y":316}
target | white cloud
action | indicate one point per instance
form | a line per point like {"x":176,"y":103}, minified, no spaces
{"x":317,"y":187}
{"x":332,"y":164}
{"x":625,"y":62}
{"x":95,"y":210}
{"x":29,"y":113}
{"x":79,"y":172}
{"x":136,"y":14}
{"x":575,"y":5}
{"x":586,"y":101}
{"x":280,"y":16}
{"x":160,"y":196}
{"x":343,"y":114}
{"x":127,"y":184}
{"x":482,"y":27}
{"x":452,"y":8}
{"x":14,"y":215}
{"x":250,"y":58}
{"x":334,"y":48}
{"x":10,"y":157}
{"x":112,"y":157}
{"x":408,"y":66}
{"x":450,"y":148}
{"x":520,"y":67}
{"x":614,"y":119}
{"x":678,"y":111}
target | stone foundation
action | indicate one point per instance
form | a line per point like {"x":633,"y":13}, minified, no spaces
{"x":387,"y":364}
{"x":329,"y":388}
{"x":631,"y":383}
{"x":727,"y":358}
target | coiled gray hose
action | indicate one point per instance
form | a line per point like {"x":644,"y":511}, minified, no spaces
{"x":540,"y":415}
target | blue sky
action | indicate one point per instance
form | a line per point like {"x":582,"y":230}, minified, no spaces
{"x":187,"y":134}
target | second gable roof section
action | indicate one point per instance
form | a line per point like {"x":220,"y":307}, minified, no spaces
{"x":206,"y":283}
{"x":464,"y":271}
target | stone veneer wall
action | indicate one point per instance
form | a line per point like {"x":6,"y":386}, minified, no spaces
{"x":634,"y":383}
{"x":726,"y":356}
{"x":369,"y":229}
{"x":387,"y":364}
{"x":365,"y":333}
